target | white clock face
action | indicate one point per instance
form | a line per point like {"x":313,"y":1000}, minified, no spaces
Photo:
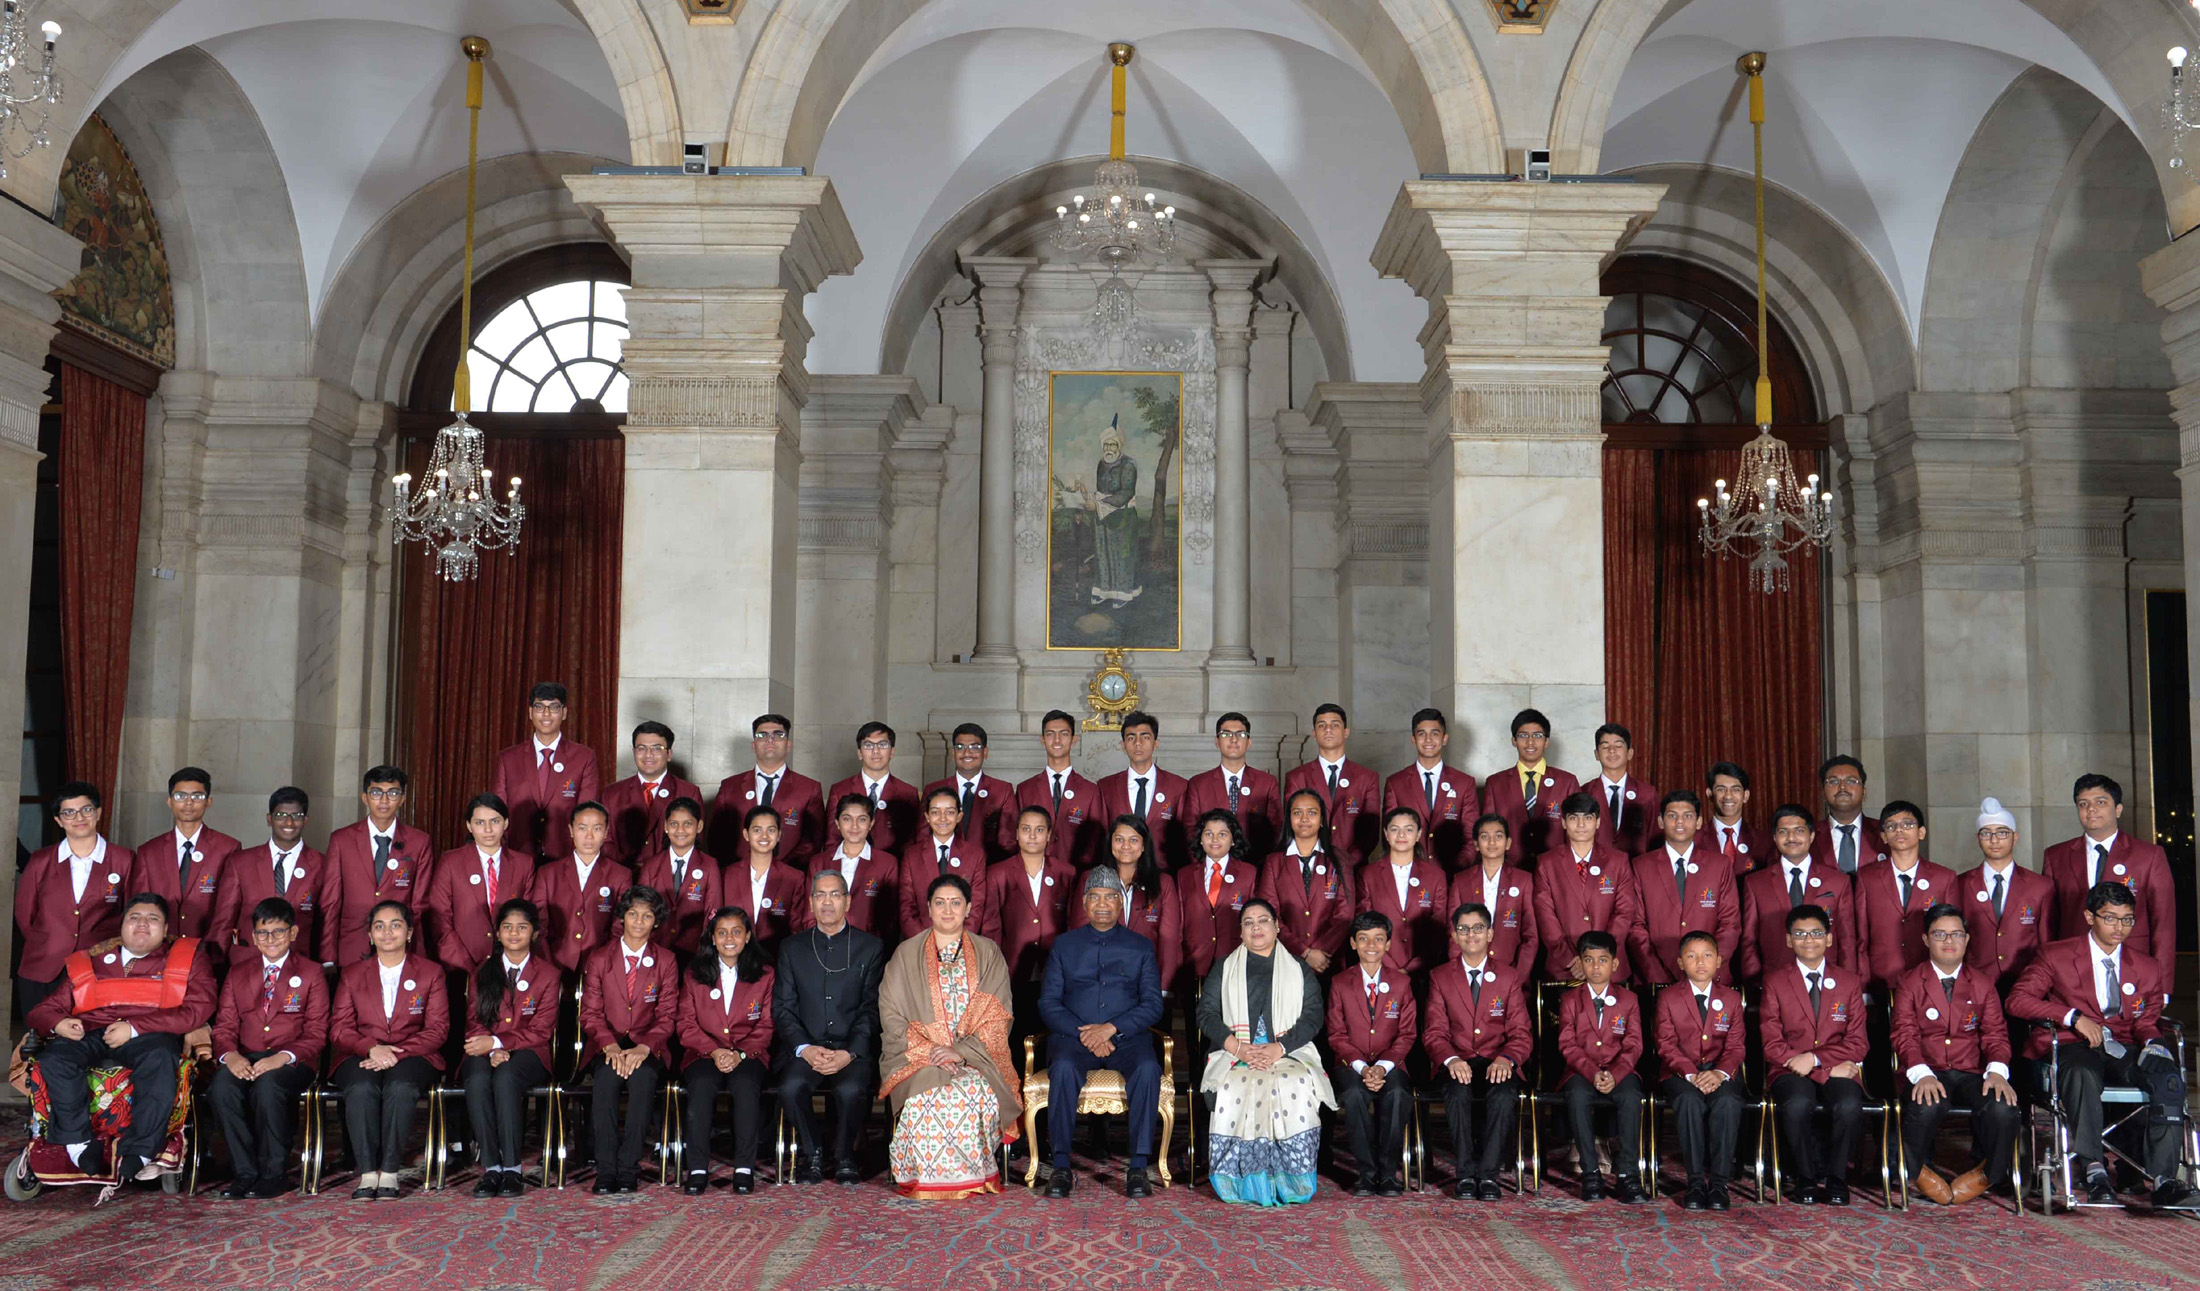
{"x":1113,"y":687}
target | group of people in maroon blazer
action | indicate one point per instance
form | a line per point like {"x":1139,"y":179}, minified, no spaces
{"x":1657,"y":934}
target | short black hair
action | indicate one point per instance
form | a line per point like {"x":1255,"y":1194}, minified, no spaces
{"x":955,"y":881}
{"x":1679,"y":796}
{"x":848,"y":800}
{"x":1902,"y":807}
{"x":2105,"y":894}
{"x":489,"y":800}
{"x":384,"y":774}
{"x":1796,"y":810}
{"x":758,"y":812}
{"x":1703,"y":935}
{"x":765,"y":719}
{"x":1140,"y":717}
{"x":1596,"y":939}
{"x":1057,"y":715}
{"x":547,"y":691}
{"x":1580,"y":803}
{"x":191,"y":775}
{"x":1808,"y":911}
{"x":1490,"y":818}
{"x":1626,"y":736}
{"x":1530,"y":717}
{"x":590,"y":805}
{"x":942,"y":791}
{"x":1472,"y":907}
{"x":1940,"y":910}
{"x":643,"y":894}
{"x":1369,"y":921}
{"x":1435,"y":715}
{"x":288,"y":795}
{"x":1711,"y":777}
{"x":73,"y":789}
{"x":1338,"y":709}
{"x":1028,"y":809}
{"x":869,"y":729}
{"x":970,"y":728}
{"x":274,"y":910}
{"x":687,"y":804}
{"x":1843,"y":760}
{"x":2094,"y":780}
{"x":1262,"y":902}
{"x":160,"y":903}
{"x":652,"y":728}
{"x":1234,"y":716}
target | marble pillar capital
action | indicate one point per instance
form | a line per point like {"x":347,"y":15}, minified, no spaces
{"x":1232,"y":293}
{"x":707,"y":231}
{"x":1504,"y":239}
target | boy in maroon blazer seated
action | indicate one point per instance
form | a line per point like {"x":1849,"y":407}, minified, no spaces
{"x":1953,"y":1045}
{"x":1478,"y":1037}
{"x":1701,"y":1041}
{"x":1372,"y":1027}
{"x":1812,"y":1022}
{"x":2100,"y":1006}
{"x":1600,"y":1036}
{"x":269,"y":1031}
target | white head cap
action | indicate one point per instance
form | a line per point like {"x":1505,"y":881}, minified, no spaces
{"x":1991,"y":812}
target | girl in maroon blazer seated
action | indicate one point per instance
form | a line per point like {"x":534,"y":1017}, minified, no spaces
{"x":511,"y":1013}
{"x":391,"y":1020}
{"x":726,"y":1033}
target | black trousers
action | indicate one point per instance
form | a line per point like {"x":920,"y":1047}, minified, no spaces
{"x":1796,"y":1102}
{"x":259,"y":1116}
{"x":378,"y":1110}
{"x":849,"y":1088}
{"x":151,"y":1058}
{"x":1707,"y":1125}
{"x":744,"y":1088}
{"x":619,"y":1148}
{"x":496,"y":1103}
{"x":1625,"y":1100}
{"x":1374,"y":1121}
{"x":1474,"y":1155}
{"x":2085,"y":1070}
{"x":1068,"y":1060}
{"x":1994,"y":1124}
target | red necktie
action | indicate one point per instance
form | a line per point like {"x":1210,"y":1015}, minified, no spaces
{"x":1371,"y":999}
{"x":1214,"y":885}
{"x":633,"y":970}
{"x":1726,"y":842}
{"x":1581,"y":867}
{"x":267,"y":989}
{"x":495,"y":869}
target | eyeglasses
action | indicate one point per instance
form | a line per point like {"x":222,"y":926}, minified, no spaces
{"x":768,"y":737}
{"x":1471,"y":929}
{"x":272,"y":934}
{"x":546,"y":706}
{"x":2116,"y":920}
{"x":1233,"y":735}
{"x":970,"y":748}
{"x":876,"y":746}
{"x":653,"y":748}
{"x":1996,"y":835}
{"x":1809,"y":934}
{"x":1946,"y":937}
{"x":287,"y":817}
{"x":184,"y":795}
{"x":1899,"y":826}
{"x":380,"y":794}
{"x":77,"y":813}
{"x":1843,"y":782}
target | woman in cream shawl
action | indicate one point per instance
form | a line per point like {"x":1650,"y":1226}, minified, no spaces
{"x":1261,"y":1009}
{"x":943,"y":1027}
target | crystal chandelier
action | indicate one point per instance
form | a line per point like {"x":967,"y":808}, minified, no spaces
{"x":1767,"y":514}
{"x":455,"y":512}
{"x":1116,"y":222}
{"x":20,"y":87}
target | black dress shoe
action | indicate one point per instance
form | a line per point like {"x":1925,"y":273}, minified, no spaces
{"x":269,"y":1189}
{"x":630,"y":1185}
{"x":1592,"y":1186}
{"x":490,"y":1185}
{"x":1628,"y":1192}
{"x":1808,"y":1194}
{"x":2099,"y":1191}
{"x":127,"y":1168}
{"x":603,"y":1187}
{"x":698,"y":1182}
{"x":1060,"y":1182}
{"x":1490,"y":1191}
{"x":744,"y":1182}
{"x":1364,"y":1186}
{"x":365,"y":1192}
{"x":846,"y":1175}
{"x":1698,"y":1196}
{"x":385,"y":1194}
{"x":1836,"y":1192}
{"x":2175,"y":1194}
{"x":810,"y":1169}
{"x":1718,"y":1199}
{"x":240,"y":1190}
{"x":1134,"y":1182}
{"x":93,"y":1160}
{"x":509,"y":1184}
{"x":1391,"y":1188}
{"x":1463,"y":1189}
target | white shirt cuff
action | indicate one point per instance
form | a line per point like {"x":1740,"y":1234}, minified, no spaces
{"x":1386,"y":1064}
{"x":799,"y":1048}
{"x":1920,"y":1072}
{"x":2000,"y":1069}
{"x":495,"y":1043}
{"x":1358,"y":1067}
{"x":2070,"y":1019}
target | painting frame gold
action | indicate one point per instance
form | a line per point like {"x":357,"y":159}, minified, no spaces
{"x":1080,"y":632}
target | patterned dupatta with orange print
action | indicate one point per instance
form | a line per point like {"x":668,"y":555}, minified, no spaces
{"x":915,"y":1018}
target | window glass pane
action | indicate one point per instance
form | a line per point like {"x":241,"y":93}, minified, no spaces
{"x":533,"y":360}
{"x":556,"y":304}
{"x":564,"y":323}
{"x":610,"y":341}
{"x":569,"y":341}
{"x":500,"y":334}
{"x":614,"y":395}
{"x":483,"y":373}
{"x":590,"y":376}
{"x":611,"y":300}
{"x":510,"y":394}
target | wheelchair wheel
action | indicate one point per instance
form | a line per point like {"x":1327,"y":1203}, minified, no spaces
{"x":172,"y":1182}
{"x":19,"y":1182}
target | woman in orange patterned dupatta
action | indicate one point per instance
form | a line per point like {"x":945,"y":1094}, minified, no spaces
{"x":943,"y":1028}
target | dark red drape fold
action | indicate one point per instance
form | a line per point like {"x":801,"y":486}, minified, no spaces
{"x":1698,"y":666}
{"x":101,"y":467}
{"x":548,"y":611}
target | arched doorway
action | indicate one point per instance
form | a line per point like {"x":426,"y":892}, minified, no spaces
{"x":544,"y":367}
{"x":1697,"y":665}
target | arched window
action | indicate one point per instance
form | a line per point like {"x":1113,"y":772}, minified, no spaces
{"x":1683,"y":354}
{"x":555,"y":349}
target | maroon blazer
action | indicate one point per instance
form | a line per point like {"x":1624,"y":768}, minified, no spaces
{"x":1460,"y":1028}
{"x":1355,"y":813}
{"x":644,"y":1014}
{"x":351,"y":852}
{"x":2003,"y":948}
{"x":892,"y":828}
{"x":1753,"y":847}
{"x":1714,"y":905}
{"x":1259,"y":809}
{"x":529,"y":1018}
{"x":462,"y":911}
{"x":1962,"y":1033}
{"x":198,"y":997}
{"x":709,"y":1021}
{"x":991,"y":820}
{"x":2141,"y":866}
{"x":1320,"y":919}
{"x":1077,"y":826}
{"x":295,"y":1021}
{"x":1388,"y":1033}
{"x":1890,"y":937}
{"x":874,"y":899}
{"x":697,"y":897}
{"x":1025,"y":929}
{"x":920,"y":865}
{"x":2060,"y":978}
{"x":51,"y":923}
{"x":1588,"y":1048}
{"x":577,"y":920}
{"x":1788,"y":1028}
{"x":1690,"y":1043}
{"x":1869,"y":845}
{"x":1568,"y":905}
{"x":1168,"y":817}
{"x":416,"y":1030}
{"x":638,"y":815}
{"x":196,"y":905}
{"x":1501,"y":794}
{"x":249,"y":878}
{"x":1448,"y":839}
{"x":1210,"y":930}
{"x":1637,"y":830}
{"x":542,"y":797}
{"x":804,"y":816}
{"x":1765,"y":909}
{"x":786,"y":892}
{"x":1160,"y":920}
{"x":1420,"y":930}
{"x":1515,"y":936}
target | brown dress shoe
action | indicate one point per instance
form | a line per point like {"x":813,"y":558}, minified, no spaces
{"x":1934,"y":1187}
{"x":1969,"y":1186}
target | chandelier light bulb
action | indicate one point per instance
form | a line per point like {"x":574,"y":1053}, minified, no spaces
{"x":1133,"y":224}
{"x":1079,"y":199}
{"x":2176,"y":56}
{"x":1061,"y":211}
{"x":1149,"y":199}
{"x":52,"y":31}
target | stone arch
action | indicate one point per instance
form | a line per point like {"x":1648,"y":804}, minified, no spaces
{"x":638,"y":65}
{"x":810,"y":54}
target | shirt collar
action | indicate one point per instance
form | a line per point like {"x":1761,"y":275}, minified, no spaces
{"x":861,"y":856}
{"x":1328,"y":766}
{"x":2101,"y":952}
{"x":1806,"y":970}
{"x":1702,"y":992}
{"x":552,"y":747}
{"x":1801,"y":863}
{"x":487,"y":857}
{"x":373,"y":833}
{"x":1611,"y":784}
{"x":1371,"y":979}
{"x":1946,"y":977}
{"x":193,"y":840}
{"x":127,"y":955}
{"x":2093,"y":844}
{"x":99,"y":852}
{"x":1486,"y":968}
{"x":1541,"y":766}
{"x":277,"y":965}
{"x":680,"y":859}
{"x":968,"y":781}
{"x":877,"y":787}
{"x":521,"y":966}
{"x":1680,"y":858}
{"x":281,"y":853}
{"x":1292,"y":847}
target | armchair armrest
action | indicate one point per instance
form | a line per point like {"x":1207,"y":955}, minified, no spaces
{"x":1031,"y":1055}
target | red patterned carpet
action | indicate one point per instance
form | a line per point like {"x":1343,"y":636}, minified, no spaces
{"x":800,"y":1239}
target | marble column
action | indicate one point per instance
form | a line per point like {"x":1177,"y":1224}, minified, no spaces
{"x":1000,"y":298}
{"x":1380,"y":436}
{"x":2171,"y":277}
{"x":1516,"y":515}
{"x":716,"y":359}
{"x":1233,"y":551}
{"x":35,"y":258}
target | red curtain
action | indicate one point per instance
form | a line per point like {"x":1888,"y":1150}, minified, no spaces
{"x":547,"y":611}
{"x":1698,"y":666}
{"x":101,"y":467}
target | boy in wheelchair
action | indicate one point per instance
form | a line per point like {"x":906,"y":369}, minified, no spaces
{"x":126,"y":1003}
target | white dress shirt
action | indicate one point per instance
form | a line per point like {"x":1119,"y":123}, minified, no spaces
{"x":1402,"y":877}
{"x":1368,"y":982}
{"x":392,"y":975}
{"x":2096,"y":860}
{"x":1921,"y":1070}
{"x":850,"y":864}
{"x":81,"y":867}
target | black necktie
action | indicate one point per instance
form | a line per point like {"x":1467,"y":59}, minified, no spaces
{"x":381,"y":858}
{"x":2115,"y":1006}
{"x":1703,"y":1008}
{"x":2100,"y":862}
{"x":1904,"y":880}
{"x":1474,"y":983}
{"x":1795,"y":886}
{"x":1233,"y":795}
{"x":969,"y":796}
{"x":1306,"y":871}
{"x":1948,"y":989}
{"x":1332,"y":782}
{"x":511,"y":975}
{"x":282,"y":881}
{"x":1997,"y":897}
{"x":1428,"y":786}
{"x":1057,"y":793}
{"x":1814,"y":994}
{"x":1680,"y":880}
{"x":1529,"y":791}
{"x":764,"y":796}
{"x":1139,"y":809}
{"x":1614,"y":795}
{"x":1600,"y":1010}
{"x":183,"y":866}
{"x":944,"y":857}
{"x":1846,"y":859}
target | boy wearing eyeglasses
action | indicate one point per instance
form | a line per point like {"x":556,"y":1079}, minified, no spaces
{"x":183,"y":863}
{"x":799,"y":800}
{"x":1953,"y":1045}
{"x":282,"y":867}
{"x":544,"y":777}
{"x":69,"y":896}
{"x":1813,"y":1031}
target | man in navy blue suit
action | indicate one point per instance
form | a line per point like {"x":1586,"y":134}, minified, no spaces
{"x":1101,"y":995}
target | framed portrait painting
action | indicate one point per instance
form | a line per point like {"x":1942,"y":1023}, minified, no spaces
{"x":1115,"y":474}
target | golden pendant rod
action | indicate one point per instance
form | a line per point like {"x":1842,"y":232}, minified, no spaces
{"x":476,"y":50}
{"x":1752,"y":65}
{"x":1120,"y":55}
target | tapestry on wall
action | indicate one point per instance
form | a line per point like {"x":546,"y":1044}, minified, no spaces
{"x":122,"y":294}
{"x":1115,"y":468}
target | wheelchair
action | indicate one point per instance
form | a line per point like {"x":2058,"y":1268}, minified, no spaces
{"x":44,"y":1163}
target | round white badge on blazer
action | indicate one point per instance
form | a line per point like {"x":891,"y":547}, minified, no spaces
{"x":1630,"y":793}
{"x":1691,"y":867}
{"x":474,"y":879}
{"x":750,"y":794}
{"x":1383,"y":989}
{"x":1321,"y":869}
{"x":714,"y":992}
{"x":1228,"y":877}
{"x":1923,"y":884}
{"x":1547,"y":780}
{"x":955,"y":861}
{"x":557,"y":766}
{"x":1050,"y":880}
{"x":1596,"y":871}
{"x":663,"y":792}
{"x":110,"y":958}
{"x":2129,"y":989}
{"x":766,"y":903}
{"x":1512,"y":892}
{"x":648,"y":962}
{"x":1161,"y":797}
{"x":1979,"y":895}
{"x":2119,"y":869}
{"x":521,"y":983}
{"x":407,"y":983}
{"x":604,"y":891}
{"x":1817,"y":882}
{"x":1413,"y":881}
{"x":1343,"y":783}
{"x":295,"y":982}
{"x":1068,"y":794}
{"x":1882,"y":856}
{"x":1717,"y":1003}
{"x":113,"y":877}
{"x":1743,"y":848}
{"x":1932,"y":1015}
{"x":1829,"y":983}
{"x":984,"y":794}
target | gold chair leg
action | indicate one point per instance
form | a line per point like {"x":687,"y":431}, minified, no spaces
{"x":1032,"y":1108}
{"x":1168,"y":1129}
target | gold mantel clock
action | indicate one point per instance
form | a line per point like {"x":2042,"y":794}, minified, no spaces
{"x":1112,"y":692}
